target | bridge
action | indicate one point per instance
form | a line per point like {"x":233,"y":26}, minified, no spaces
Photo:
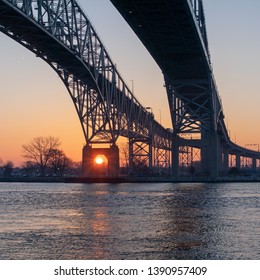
{"x":174,"y":32}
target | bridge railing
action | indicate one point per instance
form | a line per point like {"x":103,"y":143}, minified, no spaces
{"x":198,"y":10}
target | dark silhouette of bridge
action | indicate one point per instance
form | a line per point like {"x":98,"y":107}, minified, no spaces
{"x":174,"y":32}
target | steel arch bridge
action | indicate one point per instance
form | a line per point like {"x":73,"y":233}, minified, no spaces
{"x":174,"y":32}
{"x":59,"y":32}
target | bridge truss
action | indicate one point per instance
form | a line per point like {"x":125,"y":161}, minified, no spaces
{"x":174,"y":32}
{"x":59,"y":32}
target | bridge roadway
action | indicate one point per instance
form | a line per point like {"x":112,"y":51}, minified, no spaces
{"x":174,"y":32}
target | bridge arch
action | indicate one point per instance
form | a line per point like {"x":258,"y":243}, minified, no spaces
{"x":59,"y":32}
{"x":75,"y":85}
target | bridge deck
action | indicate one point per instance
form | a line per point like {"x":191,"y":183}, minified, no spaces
{"x":168,"y":31}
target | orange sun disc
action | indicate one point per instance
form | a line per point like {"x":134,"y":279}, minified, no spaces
{"x":99,"y":160}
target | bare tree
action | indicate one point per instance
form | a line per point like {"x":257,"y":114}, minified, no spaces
{"x":39,"y":151}
{"x":58,"y":161}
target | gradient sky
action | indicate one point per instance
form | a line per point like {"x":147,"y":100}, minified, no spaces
{"x":34,"y":102}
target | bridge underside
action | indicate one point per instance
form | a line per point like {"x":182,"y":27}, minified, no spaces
{"x":174,"y":32}
{"x":167,"y":30}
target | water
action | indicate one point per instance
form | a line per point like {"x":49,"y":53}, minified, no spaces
{"x":130,"y":221}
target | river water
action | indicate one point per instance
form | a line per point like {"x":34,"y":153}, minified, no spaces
{"x":130,"y":221}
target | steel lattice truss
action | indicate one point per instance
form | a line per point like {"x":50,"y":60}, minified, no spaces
{"x":59,"y":32}
{"x":194,"y":103}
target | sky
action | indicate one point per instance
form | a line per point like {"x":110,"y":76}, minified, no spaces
{"x":34,"y":101}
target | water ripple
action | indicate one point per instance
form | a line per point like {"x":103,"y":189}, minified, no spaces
{"x":129,"y":221}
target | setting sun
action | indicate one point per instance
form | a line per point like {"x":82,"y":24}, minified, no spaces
{"x":99,"y":160}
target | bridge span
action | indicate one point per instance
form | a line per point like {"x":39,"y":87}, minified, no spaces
{"x":59,"y":32}
{"x":174,"y":32}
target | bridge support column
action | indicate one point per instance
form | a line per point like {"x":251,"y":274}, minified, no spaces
{"x":175,"y":156}
{"x":210,"y":155}
{"x":162,"y":161}
{"x":225,"y":163}
{"x":131,"y":156}
{"x":254,"y":165}
{"x":150,"y":155}
{"x":140,"y":156}
{"x":238,"y":161}
{"x":106,"y":169}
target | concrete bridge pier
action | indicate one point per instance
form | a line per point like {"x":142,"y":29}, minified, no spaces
{"x":210,"y":155}
{"x":108,"y":168}
{"x":212,"y":161}
{"x":238,"y":161}
{"x":175,"y":156}
{"x":254,"y":165}
{"x":224,"y":161}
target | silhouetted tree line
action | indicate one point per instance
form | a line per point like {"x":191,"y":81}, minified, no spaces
{"x":6,"y":168}
{"x":43,"y":158}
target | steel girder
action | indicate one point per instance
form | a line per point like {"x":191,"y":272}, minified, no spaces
{"x":189,"y":103}
{"x":59,"y":32}
{"x":194,"y":103}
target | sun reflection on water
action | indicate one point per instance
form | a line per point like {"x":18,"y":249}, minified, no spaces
{"x":124,"y":221}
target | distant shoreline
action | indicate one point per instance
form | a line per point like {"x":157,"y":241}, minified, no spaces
{"x":32,"y":179}
{"x":126,"y":180}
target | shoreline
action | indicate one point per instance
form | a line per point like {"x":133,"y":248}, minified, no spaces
{"x":117,"y":180}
